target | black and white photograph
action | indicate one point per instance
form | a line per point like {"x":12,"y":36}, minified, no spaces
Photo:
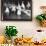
{"x":16,"y":10}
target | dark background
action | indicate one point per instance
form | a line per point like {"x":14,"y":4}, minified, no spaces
{"x":23,"y":16}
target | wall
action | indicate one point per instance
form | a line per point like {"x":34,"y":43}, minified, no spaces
{"x":25,"y":27}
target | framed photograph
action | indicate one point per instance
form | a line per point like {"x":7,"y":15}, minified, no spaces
{"x":16,"y":10}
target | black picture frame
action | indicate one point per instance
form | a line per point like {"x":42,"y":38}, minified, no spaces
{"x":22,"y":10}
